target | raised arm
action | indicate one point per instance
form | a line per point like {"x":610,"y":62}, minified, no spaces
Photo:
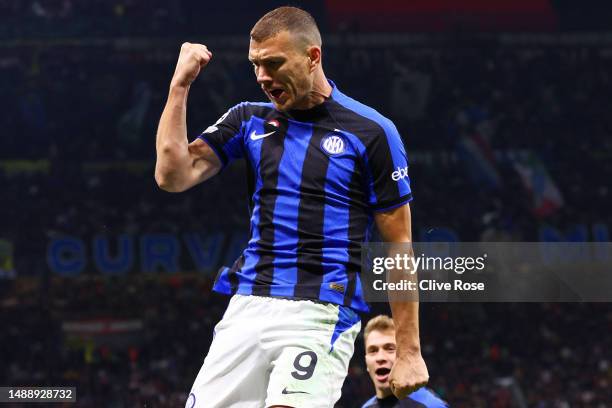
{"x":181,"y":165}
{"x":409,"y":371}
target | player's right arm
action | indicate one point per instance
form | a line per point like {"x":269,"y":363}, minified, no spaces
{"x":180,"y":165}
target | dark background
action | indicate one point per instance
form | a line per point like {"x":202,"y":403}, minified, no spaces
{"x":482,"y":92}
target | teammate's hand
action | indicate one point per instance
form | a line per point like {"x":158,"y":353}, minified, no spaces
{"x":409,"y":373}
{"x":191,"y":60}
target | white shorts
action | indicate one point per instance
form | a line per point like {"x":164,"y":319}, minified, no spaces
{"x":271,"y":351}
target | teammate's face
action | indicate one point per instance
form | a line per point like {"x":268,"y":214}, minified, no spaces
{"x":283,"y":69}
{"x":380,"y":356}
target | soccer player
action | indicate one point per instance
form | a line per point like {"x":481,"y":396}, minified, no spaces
{"x":380,"y":348}
{"x":322,"y":168}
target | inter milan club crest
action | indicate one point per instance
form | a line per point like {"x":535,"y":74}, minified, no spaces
{"x":333,"y":144}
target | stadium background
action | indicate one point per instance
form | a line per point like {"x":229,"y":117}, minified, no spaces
{"x":105,"y":279}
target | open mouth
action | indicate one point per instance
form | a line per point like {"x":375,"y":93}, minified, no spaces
{"x":276,"y":93}
{"x":382,"y":374}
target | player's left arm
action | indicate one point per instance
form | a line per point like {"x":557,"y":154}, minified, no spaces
{"x":409,"y":372}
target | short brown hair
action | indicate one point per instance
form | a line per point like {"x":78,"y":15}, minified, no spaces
{"x":381,"y":323}
{"x":292,"y":19}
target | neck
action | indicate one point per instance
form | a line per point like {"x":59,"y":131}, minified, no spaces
{"x":321,"y":90}
{"x":383,"y":392}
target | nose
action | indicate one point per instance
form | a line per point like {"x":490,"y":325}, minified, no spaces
{"x":380,"y":357}
{"x":263,"y":77}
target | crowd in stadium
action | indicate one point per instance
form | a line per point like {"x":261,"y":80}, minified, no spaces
{"x":510,"y":95}
{"x":475,"y":352}
{"x":102,"y":18}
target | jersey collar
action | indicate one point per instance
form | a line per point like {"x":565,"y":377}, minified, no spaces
{"x":335,"y":90}
{"x":317,"y":111}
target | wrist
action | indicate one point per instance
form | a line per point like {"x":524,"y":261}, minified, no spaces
{"x":408,"y":357}
{"x":178,"y":87}
{"x":408,"y":350}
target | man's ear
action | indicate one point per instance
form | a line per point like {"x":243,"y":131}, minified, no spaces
{"x":314,"y":55}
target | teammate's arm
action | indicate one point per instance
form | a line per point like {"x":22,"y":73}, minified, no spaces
{"x":180,"y":164}
{"x":409,"y":371}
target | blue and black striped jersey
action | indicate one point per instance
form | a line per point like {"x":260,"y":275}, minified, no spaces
{"x":315,"y":179}
{"x":421,"y":398}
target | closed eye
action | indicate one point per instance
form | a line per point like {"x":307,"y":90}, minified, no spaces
{"x":273,"y":64}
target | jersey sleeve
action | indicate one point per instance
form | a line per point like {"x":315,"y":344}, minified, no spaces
{"x":389,"y":184}
{"x":371,"y":403}
{"x":225,"y":136}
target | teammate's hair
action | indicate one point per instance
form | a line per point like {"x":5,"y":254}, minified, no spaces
{"x":381,"y":323}
{"x":298,"y":22}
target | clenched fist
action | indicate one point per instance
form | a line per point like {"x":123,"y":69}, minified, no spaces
{"x":191,"y":60}
{"x":409,"y":373}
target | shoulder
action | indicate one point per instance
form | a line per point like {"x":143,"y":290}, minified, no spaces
{"x":248,"y":109}
{"x":352,"y":113}
{"x":428,"y":398}
{"x":371,"y":403}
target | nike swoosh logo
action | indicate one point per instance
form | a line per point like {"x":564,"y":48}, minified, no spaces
{"x":255,"y":136}
{"x":294,"y":392}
